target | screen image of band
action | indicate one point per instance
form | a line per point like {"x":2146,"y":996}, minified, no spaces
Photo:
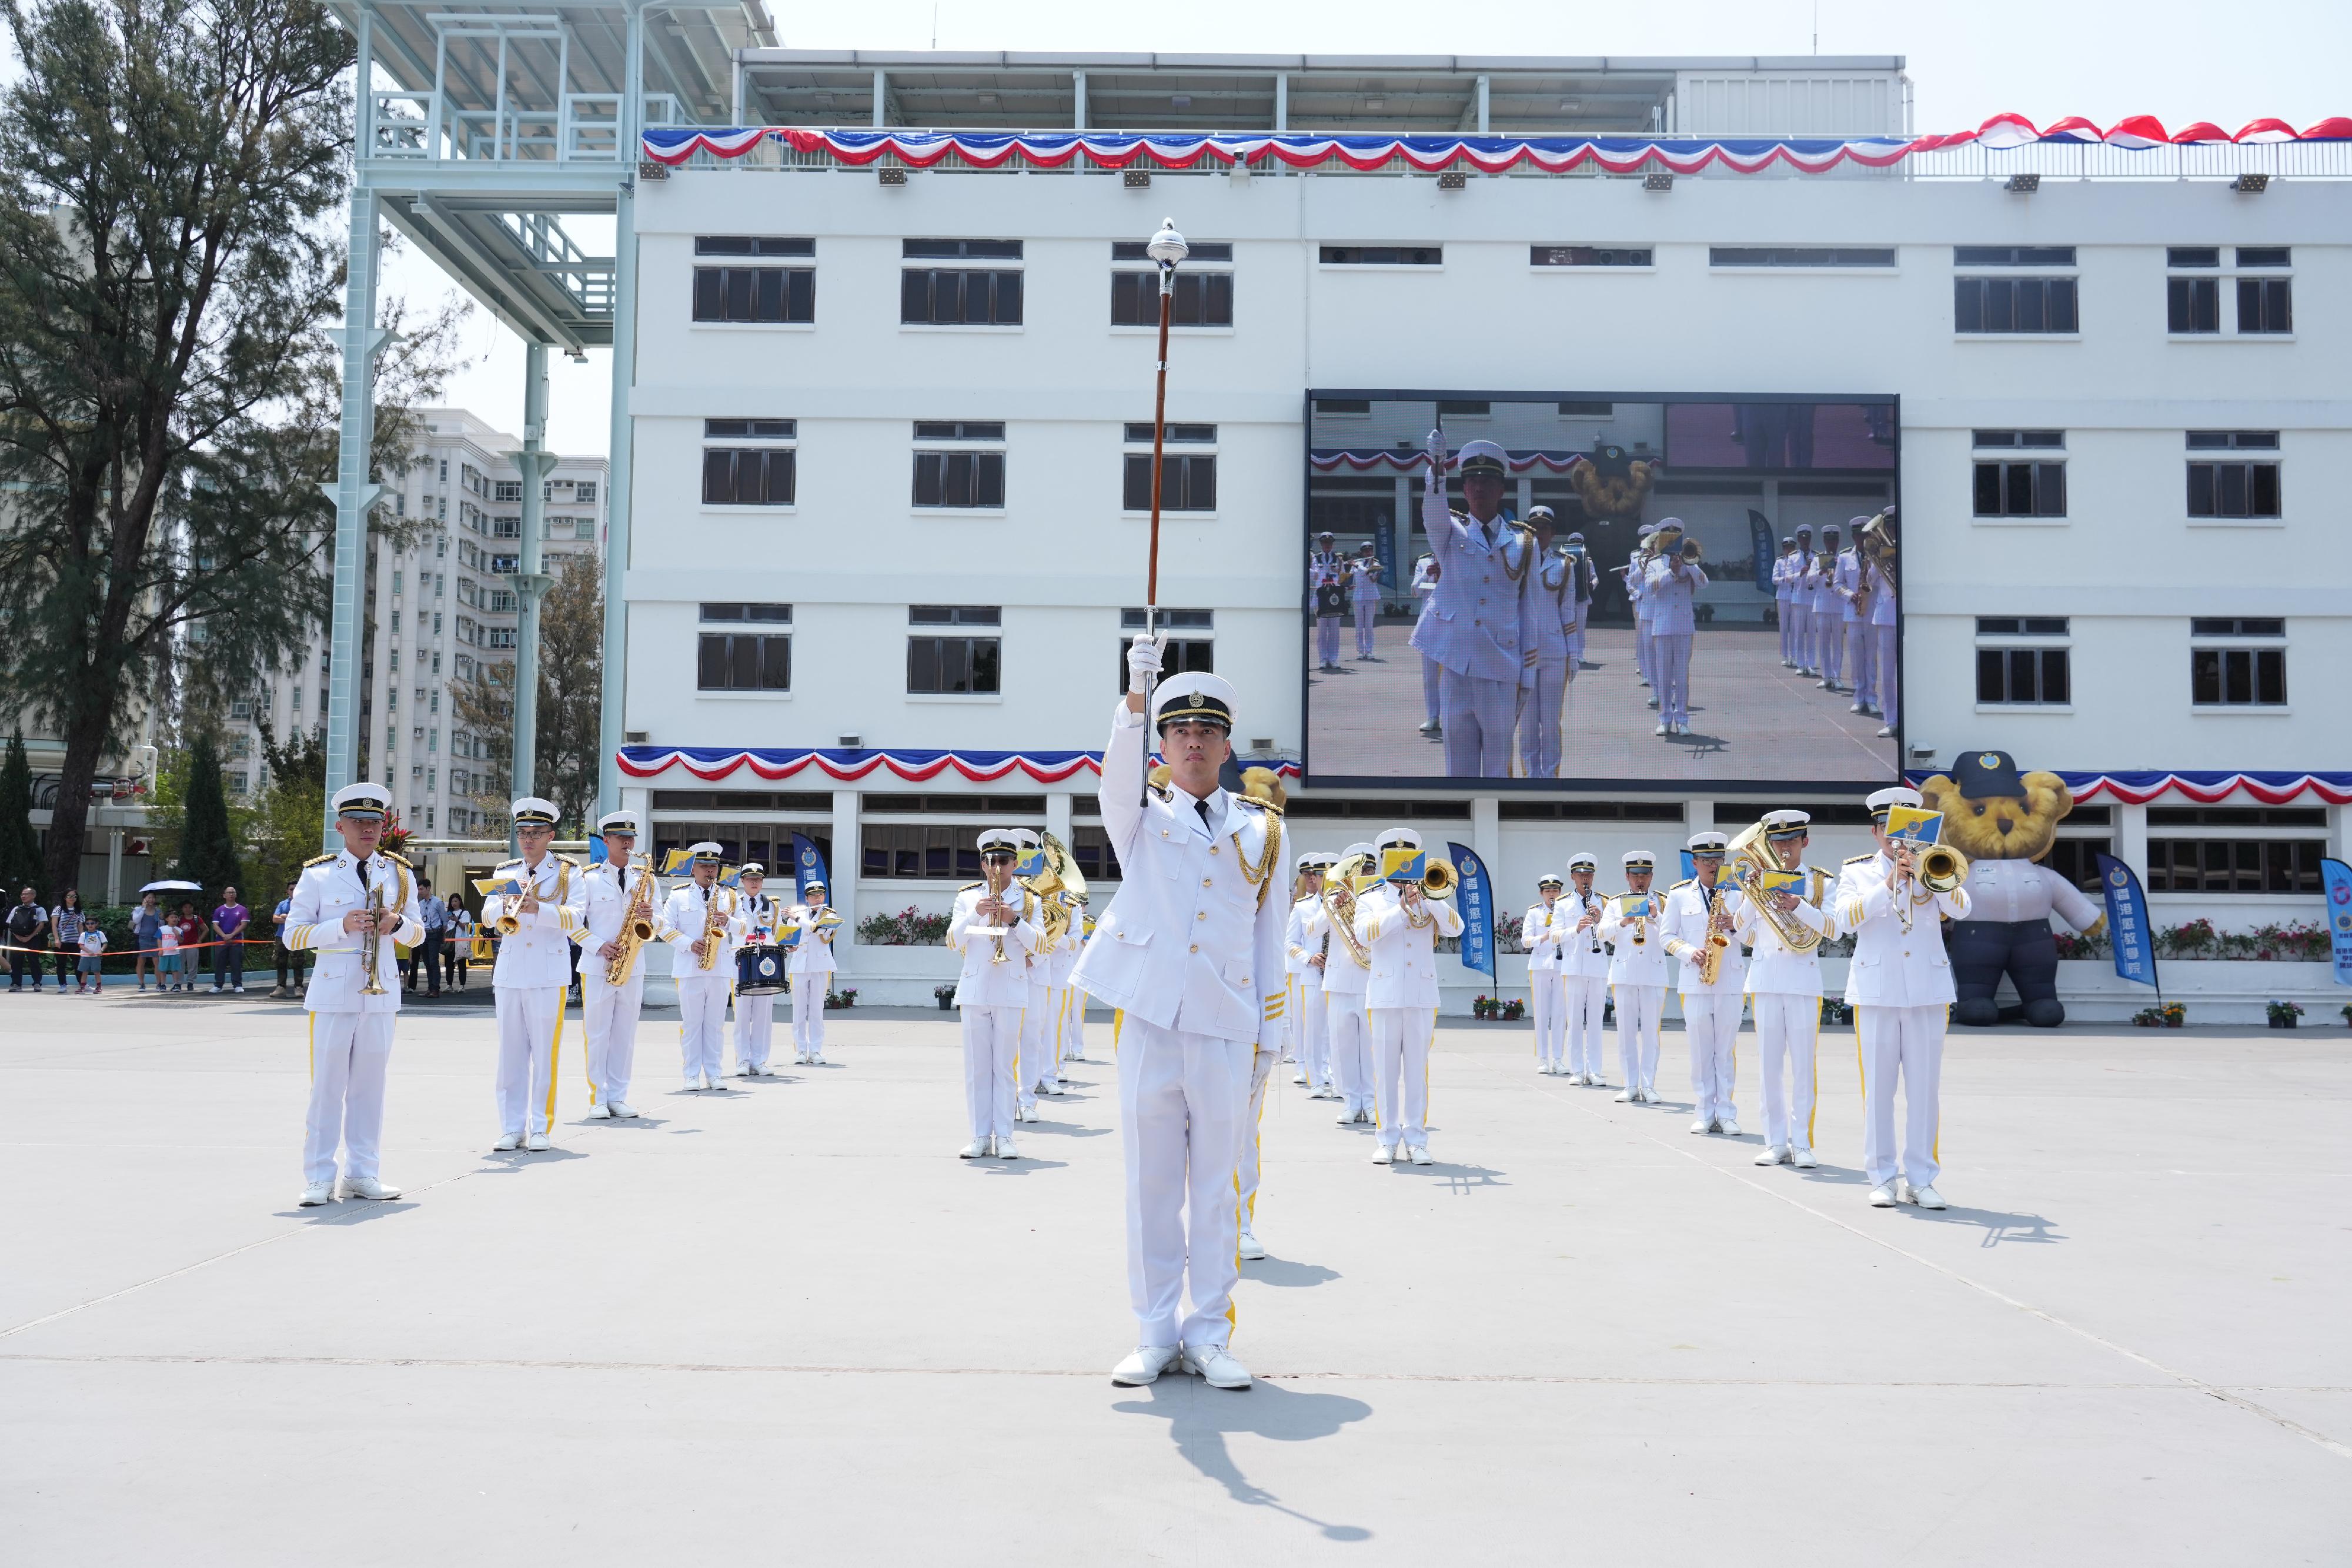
{"x":1651,"y":591}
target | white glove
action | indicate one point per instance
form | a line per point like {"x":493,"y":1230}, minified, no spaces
{"x":1142,"y":664}
{"x":1435,"y":478}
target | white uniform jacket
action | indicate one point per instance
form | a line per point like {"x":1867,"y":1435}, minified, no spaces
{"x":819,"y":928}
{"x":2021,"y":889}
{"x":1632,"y":963}
{"x":1784,"y":567}
{"x":1342,"y":974}
{"x":1673,"y":591}
{"x":600,"y":906}
{"x":1062,"y":957}
{"x":1481,"y":619}
{"x":1404,"y":956}
{"x":683,"y":919}
{"x":1582,"y":954}
{"x":330,"y":888}
{"x":538,"y":952}
{"x":1553,"y":602}
{"x":1685,"y":928}
{"x":1365,"y":586}
{"x":1298,"y":944}
{"x":1193,"y":941}
{"x":1895,"y":967}
{"x":1845,"y":581}
{"x":1882,"y":597}
{"x":1775,"y":968}
{"x":986,"y":983}
{"x":1539,"y":935}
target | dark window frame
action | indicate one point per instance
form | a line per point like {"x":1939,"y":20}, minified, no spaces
{"x":2192,"y":306}
{"x":2230,"y":488}
{"x":754,"y":296}
{"x":1566,"y":256}
{"x":1200,"y":300}
{"x":732,"y":473}
{"x":2025,"y":675}
{"x":2018,"y":488}
{"x":2016,"y":307}
{"x":2269,"y":303}
{"x":954,"y":665}
{"x":2178,"y":863}
{"x":1188,"y":482}
{"x":2237,"y":676}
{"x":1381,"y":256}
{"x":1179,"y":655}
{"x":952,"y":481}
{"x":743,"y":661}
{"x":1865,"y":257}
{"x":960,"y":297}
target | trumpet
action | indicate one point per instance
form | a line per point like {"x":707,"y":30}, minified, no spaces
{"x":996,"y":890}
{"x":1941,"y":868}
{"x":371,"y":956}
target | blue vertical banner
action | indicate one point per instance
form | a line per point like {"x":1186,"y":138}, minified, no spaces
{"x":807,"y":864}
{"x":1384,"y":545}
{"x":1764,"y":548}
{"x":1690,"y":866}
{"x":1475,"y":898}
{"x":2336,"y":878}
{"x":595,"y":849}
{"x":2127,"y":924}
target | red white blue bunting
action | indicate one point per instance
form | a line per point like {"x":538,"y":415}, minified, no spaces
{"x":1402,"y":461}
{"x":1432,"y":154}
{"x":2205,"y":788}
{"x":713,"y":763}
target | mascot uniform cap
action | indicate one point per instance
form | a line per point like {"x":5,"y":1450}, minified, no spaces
{"x":1983,"y":774}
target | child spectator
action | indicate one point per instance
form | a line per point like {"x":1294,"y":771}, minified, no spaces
{"x":93,"y":959}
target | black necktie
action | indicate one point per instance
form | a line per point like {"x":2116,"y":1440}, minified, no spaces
{"x":1202,"y":807}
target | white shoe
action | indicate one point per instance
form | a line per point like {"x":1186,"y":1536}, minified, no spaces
{"x":1251,"y":1250}
{"x":1854,"y":709}
{"x":600,"y":1113}
{"x":1144,"y":1364}
{"x":318,"y":1193}
{"x":368,"y":1187}
{"x":1006,"y":1149}
{"x":975,"y":1150}
{"x":535,"y":1142}
{"x":1802,"y":1157}
{"x":1660,"y":730}
{"x":816,"y":1059}
{"x":1772,"y":1155}
{"x":623,"y":1111}
{"x":1298,"y":1078}
{"x":507,"y":1140}
{"x":745,"y":1070}
{"x":1728,"y":1126}
{"x":1883,"y":1195}
{"x":1347,"y":1118}
{"x":1385,"y":1155}
{"x":1886,"y":732}
{"x":1702,"y":1126}
{"x":1925,"y":1196}
{"x":1629,"y":1096}
{"x":1364,"y":1117}
{"x":1215,"y":1366}
{"x":1076,"y":1056}
{"x":1420,"y":1154}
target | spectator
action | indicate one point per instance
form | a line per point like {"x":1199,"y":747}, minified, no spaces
{"x":229,"y":920}
{"x":27,"y":930}
{"x":287,"y":959}
{"x":191,"y":931}
{"x":92,"y":943}
{"x":66,"y":922}
{"x":147,"y":932}
{"x":436,"y":915}
{"x":167,"y":955}
{"x":461,"y":943}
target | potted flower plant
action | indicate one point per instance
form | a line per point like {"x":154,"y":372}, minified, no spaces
{"x":2283,"y":1015}
{"x":845,"y":998}
{"x":946,"y":995}
{"x":1514,"y":1009}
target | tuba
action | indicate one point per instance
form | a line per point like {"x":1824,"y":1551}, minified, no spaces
{"x":1749,"y":856}
{"x":1059,"y":889}
{"x":1340,"y":903}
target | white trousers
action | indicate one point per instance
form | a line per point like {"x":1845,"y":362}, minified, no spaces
{"x":1347,"y":1031}
{"x":608,"y":1017}
{"x":1029,"y":1068}
{"x":808,"y":1013}
{"x":1478,"y":715}
{"x":1905,"y":1043}
{"x":992,"y":1042}
{"x":1058,"y":1027}
{"x":530,"y":1034}
{"x":1829,"y":638}
{"x":349,"y":1053}
{"x":1800,"y":635}
{"x":1401,"y":1038}
{"x":1858,"y":660}
{"x":1642,"y":651}
{"x":1671,"y":652}
{"x":1882,"y":640}
{"x":1539,"y":717}
{"x":1638,"y":1010}
{"x":1546,"y":999}
{"x":1788,"y":1030}
{"x":702,"y":1025}
{"x":1183,"y":1101}
{"x":755,"y":1020}
{"x":1711,"y":1024}
{"x":1311,"y":1038}
{"x":1430,"y":670}
{"x":1246,"y":1176}
{"x":1788,"y":633}
{"x":1365,"y":607}
{"x":1327,"y":638}
{"x":1584,"y":1006}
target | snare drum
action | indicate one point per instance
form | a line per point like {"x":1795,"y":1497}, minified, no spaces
{"x":759,"y":970}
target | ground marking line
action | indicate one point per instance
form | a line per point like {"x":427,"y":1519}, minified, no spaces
{"x":2340,"y":1450}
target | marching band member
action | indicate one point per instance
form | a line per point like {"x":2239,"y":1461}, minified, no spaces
{"x":1424,"y":590}
{"x":1785,"y":988}
{"x":1542,"y":939}
{"x":755,"y":1017}
{"x":989,"y":927}
{"x":1583,"y":972}
{"x":1584,"y":579}
{"x":1801,"y":600}
{"x":1034,"y":1071}
{"x":1073,"y":1026}
{"x":1701,"y":913}
{"x":1364,"y":594}
{"x":1306,"y":958}
{"x":1480,"y":626}
{"x":334,"y":913}
{"x":702,"y":922}
{"x":1853,"y":629}
{"x":608,"y":899}
{"x":1672,"y":597}
{"x":533,"y":970}
{"x":1262,"y":1062}
{"x":1783,"y":590}
{"x":1399,"y":927}
{"x":1637,"y":979}
{"x":810,"y":967}
{"x":1637,"y":599}
{"x":1192,"y":953}
{"x":1326,"y":573}
{"x":1554,"y":613}
{"x":1900,"y":987}
{"x":1062,"y":1030}
{"x":1346,"y":1030}
{"x":1885,"y":663}
{"x":1829,"y":614}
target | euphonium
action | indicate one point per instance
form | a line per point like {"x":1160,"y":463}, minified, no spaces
{"x":636,"y":928}
{"x":1340,"y":905}
{"x":1059,"y":889}
{"x":1749,"y":854}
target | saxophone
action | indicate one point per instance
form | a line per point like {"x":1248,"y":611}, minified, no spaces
{"x":714,"y":926}
{"x":636,"y":928}
{"x":1715,"y":944}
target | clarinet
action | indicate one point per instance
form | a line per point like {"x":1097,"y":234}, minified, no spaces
{"x":1594,"y":935}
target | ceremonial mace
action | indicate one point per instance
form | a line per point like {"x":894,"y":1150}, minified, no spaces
{"x":1167,"y":247}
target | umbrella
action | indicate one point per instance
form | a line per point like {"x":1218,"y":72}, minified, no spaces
{"x":173,"y":888}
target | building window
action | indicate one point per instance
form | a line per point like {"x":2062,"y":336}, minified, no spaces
{"x":763,"y":476}
{"x":583,"y":491}
{"x":1188,"y":480}
{"x":2019,"y":664}
{"x":2243,"y":666}
{"x":2020,"y":485}
{"x":2235,"y":865}
{"x":2013,"y":256}
{"x":1178,"y":656}
{"x":500,"y":637}
{"x":959,"y":295}
{"x":1383,"y":256}
{"x":2014,"y":305}
{"x":941,"y":665}
{"x":963,"y":480}
{"x":2263,"y":303}
{"x":1799,"y":255}
{"x":1132,"y":619}
{"x":1203,"y":295}
{"x":507,"y":490}
{"x":772,"y":293}
{"x":2192,"y":304}
{"x":2226,"y":486}
{"x":1590,"y":255}
{"x":773,"y":615}
{"x":744,"y":662}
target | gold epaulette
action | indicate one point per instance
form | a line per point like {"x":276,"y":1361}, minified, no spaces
{"x":1684,"y":882}
{"x":966,"y":888}
{"x":503,"y":864}
{"x":398,"y":860}
{"x":1857,"y":860}
{"x":570,"y":860}
{"x":327,"y":859}
{"x":1263,"y":805}
{"x":1162,"y":791}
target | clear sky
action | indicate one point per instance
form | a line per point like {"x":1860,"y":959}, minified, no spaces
{"x":2180,"y":60}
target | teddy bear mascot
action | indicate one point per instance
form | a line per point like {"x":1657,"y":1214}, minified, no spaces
{"x":2005,"y":822}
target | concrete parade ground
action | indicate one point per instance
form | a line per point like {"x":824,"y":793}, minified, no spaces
{"x":784,"y":1324}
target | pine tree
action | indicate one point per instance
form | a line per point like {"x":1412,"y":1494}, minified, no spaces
{"x":20,"y":853}
{"x":208,"y":846}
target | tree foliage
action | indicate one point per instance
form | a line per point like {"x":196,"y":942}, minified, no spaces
{"x":20,"y":849}
{"x":281,"y":826}
{"x":207,"y":840}
{"x":571,"y":693}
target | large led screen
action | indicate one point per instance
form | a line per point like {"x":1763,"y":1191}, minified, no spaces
{"x":1651,"y":593}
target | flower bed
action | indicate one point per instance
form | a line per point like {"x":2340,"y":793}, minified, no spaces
{"x":910,"y":927}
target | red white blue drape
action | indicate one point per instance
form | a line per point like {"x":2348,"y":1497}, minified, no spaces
{"x":1431,"y":155}
{"x":1399,"y":461}
{"x":713,"y":763}
{"x":2205,"y":788}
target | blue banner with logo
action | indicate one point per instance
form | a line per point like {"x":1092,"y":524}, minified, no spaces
{"x":1764,"y":548}
{"x":808,"y":865}
{"x":2336,"y":878}
{"x":1475,"y":899}
{"x":2128,"y":927}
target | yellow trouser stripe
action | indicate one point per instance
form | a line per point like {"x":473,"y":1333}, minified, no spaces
{"x":1813,"y":1114}
{"x":314,"y":1046}
{"x":554,"y":1056}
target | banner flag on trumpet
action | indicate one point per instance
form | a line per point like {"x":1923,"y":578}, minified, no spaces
{"x":498,"y":886}
{"x":1910,"y":825}
{"x":1402,"y":864}
{"x":2127,"y":924}
{"x":1475,"y":899}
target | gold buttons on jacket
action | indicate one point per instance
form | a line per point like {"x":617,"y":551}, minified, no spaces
{"x":1203,"y":915}
{"x":1205,"y":881}
{"x":1196,"y":947}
